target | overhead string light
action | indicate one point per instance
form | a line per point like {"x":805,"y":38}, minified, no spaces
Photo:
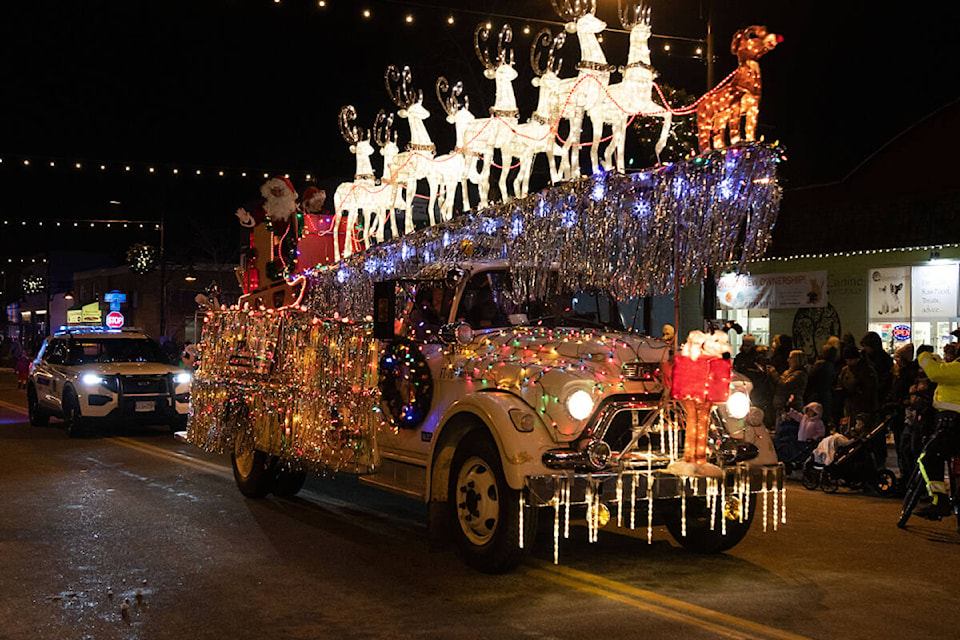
{"x":10,"y":161}
{"x":62,"y":223}
{"x":675,"y":46}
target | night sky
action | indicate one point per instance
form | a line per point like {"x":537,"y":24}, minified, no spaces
{"x":255,"y":85}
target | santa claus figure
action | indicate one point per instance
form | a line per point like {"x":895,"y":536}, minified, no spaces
{"x":275,"y":232}
{"x":701,"y":378}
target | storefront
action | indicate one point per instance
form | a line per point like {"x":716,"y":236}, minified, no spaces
{"x":907,"y":295}
{"x":914,"y":304}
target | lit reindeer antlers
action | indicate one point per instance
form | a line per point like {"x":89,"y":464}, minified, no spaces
{"x":573,"y":9}
{"x":545,"y":43}
{"x":383,"y":134}
{"x":351,"y":133}
{"x":449,"y":97}
{"x":399,"y":84}
{"x":633,"y":13}
{"x":504,"y":54}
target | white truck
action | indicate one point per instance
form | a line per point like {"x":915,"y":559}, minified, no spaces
{"x":481,"y":366}
{"x":484,"y":406}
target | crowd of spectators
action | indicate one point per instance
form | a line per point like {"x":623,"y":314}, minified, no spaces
{"x":855,"y":383}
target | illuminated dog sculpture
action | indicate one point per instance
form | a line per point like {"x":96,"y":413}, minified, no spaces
{"x":723,"y":105}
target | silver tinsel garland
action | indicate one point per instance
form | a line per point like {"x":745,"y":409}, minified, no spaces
{"x":645,"y":233}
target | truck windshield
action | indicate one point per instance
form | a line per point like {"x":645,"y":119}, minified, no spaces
{"x":487,"y":303}
{"x":90,"y":350}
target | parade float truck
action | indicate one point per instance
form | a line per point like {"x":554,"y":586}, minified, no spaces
{"x":482,"y":365}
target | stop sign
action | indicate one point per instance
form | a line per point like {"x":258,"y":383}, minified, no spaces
{"x":114,"y":319}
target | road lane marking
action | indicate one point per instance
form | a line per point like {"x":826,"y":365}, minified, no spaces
{"x":181,"y":458}
{"x":14,"y":407}
{"x":714,"y":621}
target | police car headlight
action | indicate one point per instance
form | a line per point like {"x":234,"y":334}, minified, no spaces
{"x":182,"y":378}
{"x":91,"y":379}
{"x":580,"y":404}
{"x":738,"y":405}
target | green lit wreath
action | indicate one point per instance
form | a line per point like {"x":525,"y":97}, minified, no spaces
{"x":142,"y":258}
{"x":406,"y":386}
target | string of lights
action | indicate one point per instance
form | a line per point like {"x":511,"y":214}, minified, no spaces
{"x":860,"y":252}
{"x":74,"y":224}
{"x":139,"y":168}
{"x":695,"y":48}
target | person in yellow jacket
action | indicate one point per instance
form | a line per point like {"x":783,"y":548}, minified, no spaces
{"x":946,"y":440}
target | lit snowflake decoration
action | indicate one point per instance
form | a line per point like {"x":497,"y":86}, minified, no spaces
{"x":33,"y":284}
{"x":142,"y":258}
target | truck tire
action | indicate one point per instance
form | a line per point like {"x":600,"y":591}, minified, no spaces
{"x":286,"y":483}
{"x":72,"y":418}
{"x":38,"y":417}
{"x":699,"y":537}
{"x":485,"y":511}
{"x":251,"y":468}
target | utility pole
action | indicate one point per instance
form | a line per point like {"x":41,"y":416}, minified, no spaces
{"x":163,"y":280}
{"x":709,"y":288}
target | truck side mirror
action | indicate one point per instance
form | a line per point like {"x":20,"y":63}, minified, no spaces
{"x":384,"y":309}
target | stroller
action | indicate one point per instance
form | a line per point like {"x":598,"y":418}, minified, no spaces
{"x":790,"y":451}
{"x":854,"y":465}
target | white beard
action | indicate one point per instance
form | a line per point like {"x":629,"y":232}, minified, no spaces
{"x":281,"y":208}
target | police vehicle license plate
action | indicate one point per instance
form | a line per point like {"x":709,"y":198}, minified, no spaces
{"x":145,"y":405}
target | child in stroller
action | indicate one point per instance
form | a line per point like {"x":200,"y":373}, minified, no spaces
{"x":797,"y":435}
{"x":850,"y":461}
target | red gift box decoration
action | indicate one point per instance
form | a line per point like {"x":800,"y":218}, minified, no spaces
{"x":706,"y":379}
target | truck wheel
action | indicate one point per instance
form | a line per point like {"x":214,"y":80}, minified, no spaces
{"x":287,"y":484}
{"x":251,"y":468}
{"x":72,"y":419}
{"x":485,"y":510}
{"x":700,"y":538}
{"x":38,"y":417}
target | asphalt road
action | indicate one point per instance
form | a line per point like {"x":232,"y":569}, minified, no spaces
{"x":135,"y":518}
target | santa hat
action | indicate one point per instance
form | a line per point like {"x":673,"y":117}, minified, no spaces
{"x":276,"y":181}
{"x":312,"y":192}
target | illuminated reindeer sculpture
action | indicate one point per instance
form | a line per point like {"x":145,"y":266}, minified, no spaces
{"x":538,"y":134}
{"x":388,"y":192}
{"x":579,"y":94}
{"x":353,"y":196}
{"x":631,"y":96}
{"x":414,"y":163}
{"x":450,"y":170}
{"x":485,"y":135}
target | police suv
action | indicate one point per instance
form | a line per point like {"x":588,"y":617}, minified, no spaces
{"x":89,"y":375}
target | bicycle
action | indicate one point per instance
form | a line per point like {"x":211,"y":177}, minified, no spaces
{"x":945,"y":437}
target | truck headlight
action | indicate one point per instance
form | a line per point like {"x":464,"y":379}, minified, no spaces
{"x":91,"y":379}
{"x":182,"y":378}
{"x":738,"y":405}
{"x":580,"y":404}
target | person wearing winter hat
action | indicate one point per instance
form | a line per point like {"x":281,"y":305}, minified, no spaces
{"x":811,"y":422}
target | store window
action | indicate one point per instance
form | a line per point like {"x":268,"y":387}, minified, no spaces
{"x":914,"y":304}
